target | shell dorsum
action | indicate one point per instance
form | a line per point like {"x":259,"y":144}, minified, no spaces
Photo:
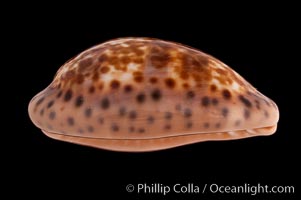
{"x":141,"y":94}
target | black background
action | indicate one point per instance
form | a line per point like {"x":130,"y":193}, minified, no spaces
{"x":257,"y":43}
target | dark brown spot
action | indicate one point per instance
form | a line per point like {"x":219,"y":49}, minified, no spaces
{"x":88,"y":112}
{"x":153,"y":80}
{"x":213,"y":88}
{"x":159,"y":58}
{"x":189,"y":124}
{"x":137,"y":73}
{"x":138,"y":76}
{"x":246,"y":114}
{"x":68,"y":75}
{"x":167,"y":127}
{"x":185,"y":85}
{"x":42,"y":112}
{"x":226,"y":94}
{"x":128,"y":88}
{"x":100,"y":86}
{"x":197,"y":78}
{"x":205,"y":101}
{"x":92,"y":89}
{"x":138,"y":79}
{"x":214,"y":101}
{"x":101,"y":120}
{"x":178,"y":107}
{"x":245,"y":101}
{"x":95,"y":76}
{"x":103,"y":58}
{"x":122,"y":111}
{"x":156,"y":95}
{"x":105,"y":103}
{"x":168,"y":115}
{"x":187,"y":113}
{"x":70,"y":121}
{"x":184,"y":75}
{"x":40,"y":101}
{"x":266,"y":114}
{"x":79,"y":101}
{"x":138,"y":60}
{"x":90,"y":129}
{"x":104,"y":69}
{"x":52,"y":115}
{"x":190,"y":94}
{"x":225,"y":112}
{"x":141,"y":130}
{"x":138,"y":51}
{"x":115,"y":84}
{"x":79,"y":78}
{"x":50,"y":104}
{"x":252,"y":94}
{"x":237,"y":122}
{"x":140,"y":98}
{"x":195,"y":63}
{"x":131,"y":129}
{"x":68,"y":95}
{"x":115,"y":127}
{"x":83,"y":64}
{"x":59,"y":94}
{"x":125,"y":60}
{"x":150,"y":119}
{"x":170,"y":83}
{"x":199,"y":85}
{"x":222,"y":72}
{"x":132,"y":114}
{"x":206,"y":125}
{"x":257,"y":103}
{"x":217,"y":125}
{"x":49,"y":127}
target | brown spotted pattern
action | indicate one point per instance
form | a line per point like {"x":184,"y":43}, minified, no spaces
{"x":142,"y":94}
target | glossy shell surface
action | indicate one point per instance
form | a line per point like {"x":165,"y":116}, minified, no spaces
{"x":142,"y":94}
